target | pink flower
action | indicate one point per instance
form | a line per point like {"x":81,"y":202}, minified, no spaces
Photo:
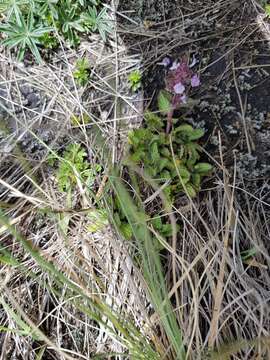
{"x":178,"y":80}
{"x":179,"y":73}
{"x":175,"y":66}
{"x":179,"y":88}
{"x":184,"y":98}
{"x":195,"y":81}
{"x":165,"y":62}
{"x":178,"y":100}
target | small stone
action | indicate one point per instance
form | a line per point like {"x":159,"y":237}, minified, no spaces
{"x":26,"y":90}
{"x":33,"y":100}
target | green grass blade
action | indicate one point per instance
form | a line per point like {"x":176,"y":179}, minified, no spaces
{"x":152,"y":267}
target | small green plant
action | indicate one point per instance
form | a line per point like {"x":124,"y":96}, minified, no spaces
{"x":97,"y":22}
{"x":99,"y":220}
{"x":74,"y":167}
{"x":24,"y":34}
{"x":134,"y":80}
{"x":171,"y":160}
{"x":12,"y":8}
{"x":150,"y":263}
{"x":69,"y":21}
{"x":80,"y":119}
{"x":164,"y":229}
{"x":267,"y":10}
{"x":70,"y":18}
{"x":49,"y":41}
{"x":82,"y":72}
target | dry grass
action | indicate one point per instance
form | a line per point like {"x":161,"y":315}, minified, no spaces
{"x":99,"y":262}
{"x":220,"y":299}
{"x":223,"y":297}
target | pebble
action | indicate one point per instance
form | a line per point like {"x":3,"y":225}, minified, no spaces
{"x":26,"y":90}
{"x":33,"y":100}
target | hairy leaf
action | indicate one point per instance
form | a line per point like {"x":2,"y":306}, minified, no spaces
{"x":164,"y":102}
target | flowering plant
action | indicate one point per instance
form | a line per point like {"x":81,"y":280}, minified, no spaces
{"x":179,"y":79}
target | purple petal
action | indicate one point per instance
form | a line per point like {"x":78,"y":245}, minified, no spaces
{"x":165,"y":62}
{"x":184,"y":98}
{"x":179,"y":88}
{"x":175,"y":65}
{"x":195,"y":81}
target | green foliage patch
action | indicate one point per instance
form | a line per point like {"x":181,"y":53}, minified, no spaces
{"x":172,"y":161}
{"x":74,"y":167}
{"x":82,"y":72}
{"x":174,"y":158}
{"x":135,"y":80}
{"x":29,"y":24}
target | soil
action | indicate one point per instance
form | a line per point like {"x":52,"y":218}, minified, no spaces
{"x":232,"y":52}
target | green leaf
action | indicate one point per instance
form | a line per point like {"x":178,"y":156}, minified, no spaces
{"x":9,"y":260}
{"x":152,"y":171}
{"x":153,"y":120}
{"x":167,"y":230}
{"x":41,"y":353}
{"x":164,"y":102}
{"x":134,"y":79}
{"x":99,"y":219}
{"x":94,"y":21}
{"x":163,"y":163}
{"x":126,"y":230}
{"x":157,"y":223}
{"x":82,"y":71}
{"x":267,"y":9}
{"x":203,"y":168}
{"x":196,"y":180}
{"x":185,"y":128}
{"x":165,"y":152}
{"x":196,"y":134}
{"x":137,"y":156}
{"x":168,"y":194}
{"x":190,"y":190}
{"x":155,"y":157}
{"x":165,"y":175}
{"x":184,"y":173}
{"x":24,"y":34}
{"x":247,"y":254}
{"x":138,"y":136}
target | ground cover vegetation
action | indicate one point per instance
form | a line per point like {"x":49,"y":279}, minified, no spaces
{"x":28,"y":24}
{"x":134,"y":191}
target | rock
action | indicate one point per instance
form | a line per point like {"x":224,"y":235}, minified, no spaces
{"x":26,"y":90}
{"x":33,"y":100}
